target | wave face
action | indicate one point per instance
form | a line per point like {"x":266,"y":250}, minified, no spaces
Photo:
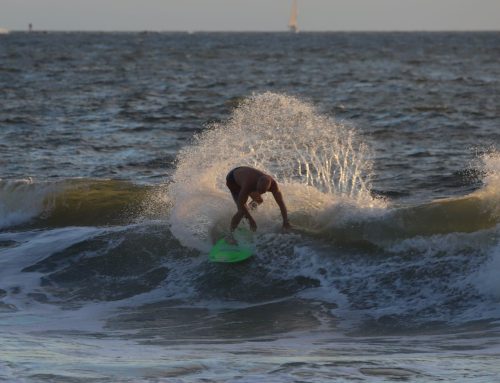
{"x":22,"y":200}
{"x":77,"y":202}
{"x":388,"y":265}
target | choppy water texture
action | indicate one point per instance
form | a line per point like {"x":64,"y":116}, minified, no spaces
{"x":114,"y":150}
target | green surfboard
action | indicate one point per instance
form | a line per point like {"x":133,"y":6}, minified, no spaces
{"x":226,"y":252}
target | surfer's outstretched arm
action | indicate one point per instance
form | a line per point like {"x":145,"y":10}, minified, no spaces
{"x":279,"y":200}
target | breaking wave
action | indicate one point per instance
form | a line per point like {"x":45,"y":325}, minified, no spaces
{"x":390,"y":266}
{"x":317,"y":161}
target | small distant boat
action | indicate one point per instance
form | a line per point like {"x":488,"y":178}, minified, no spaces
{"x":4,"y":31}
{"x":292,"y":24}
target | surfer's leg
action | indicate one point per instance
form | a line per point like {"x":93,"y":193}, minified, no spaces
{"x":233,"y":187}
{"x":235,"y":221}
{"x":235,"y":195}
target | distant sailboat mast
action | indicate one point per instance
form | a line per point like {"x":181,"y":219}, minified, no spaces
{"x":292,"y":24}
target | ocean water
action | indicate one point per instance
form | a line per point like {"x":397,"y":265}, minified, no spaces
{"x":113,"y":153}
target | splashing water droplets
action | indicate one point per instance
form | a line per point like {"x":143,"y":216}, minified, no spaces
{"x":308,"y":153}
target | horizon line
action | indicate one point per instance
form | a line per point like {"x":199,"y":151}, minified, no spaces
{"x":284,"y":31}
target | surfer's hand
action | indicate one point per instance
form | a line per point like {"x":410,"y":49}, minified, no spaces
{"x":253,"y":205}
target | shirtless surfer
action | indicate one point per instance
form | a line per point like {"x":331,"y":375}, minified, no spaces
{"x":244,"y":182}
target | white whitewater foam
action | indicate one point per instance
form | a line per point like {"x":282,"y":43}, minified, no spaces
{"x":487,"y":279}
{"x":32,"y":247}
{"x":490,"y":192}
{"x":316,"y":160}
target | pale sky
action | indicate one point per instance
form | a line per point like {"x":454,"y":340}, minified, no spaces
{"x":250,"y":15}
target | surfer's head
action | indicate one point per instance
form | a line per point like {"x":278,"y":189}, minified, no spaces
{"x":264,"y":184}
